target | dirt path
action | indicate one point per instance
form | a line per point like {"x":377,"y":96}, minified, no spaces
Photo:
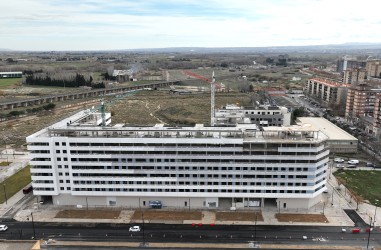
{"x":153,"y":113}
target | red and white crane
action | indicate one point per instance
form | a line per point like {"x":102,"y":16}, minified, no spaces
{"x":212,"y":91}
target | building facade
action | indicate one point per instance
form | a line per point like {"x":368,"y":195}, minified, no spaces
{"x":354,"y":76}
{"x":77,"y":162}
{"x":360,"y":101}
{"x":327,"y":91}
{"x":261,"y":116}
{"x":373,"y":68}
{"x":377,"y":116}
{"x":17,"y":74}
{"x":344,"y":64}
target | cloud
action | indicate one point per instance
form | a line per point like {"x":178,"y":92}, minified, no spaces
{"x":123,"y":24}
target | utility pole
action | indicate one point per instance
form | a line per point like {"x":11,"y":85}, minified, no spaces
{"x":5,"y":194}
{"x":370,"y":229}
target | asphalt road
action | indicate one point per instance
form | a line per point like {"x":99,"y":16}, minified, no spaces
{"x":187,"y":233}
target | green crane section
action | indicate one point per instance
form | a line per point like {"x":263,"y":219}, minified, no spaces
{"x":102,"y":108}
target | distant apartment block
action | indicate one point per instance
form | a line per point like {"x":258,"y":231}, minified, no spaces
{"x":360,"y":101}
{"x":344,"y":64}
{"x":373,"y":68}
{"x":328,"y":91}
{"x":10,"y":74}
{"x":377,"y":116}
{"x":354,"y":76}
{"x":263,"y":116}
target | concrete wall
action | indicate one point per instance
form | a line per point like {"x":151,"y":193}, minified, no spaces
{"x":91,"y":201}
{"x":297,"y":203}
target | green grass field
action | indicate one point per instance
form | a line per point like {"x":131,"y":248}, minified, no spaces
{"x":362,"y":182}
{"x":15,"y":183}
{"x":8,"y":82}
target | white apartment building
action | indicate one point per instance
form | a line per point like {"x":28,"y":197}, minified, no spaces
{"x":261,"y":116}
{"x":78,"y":162}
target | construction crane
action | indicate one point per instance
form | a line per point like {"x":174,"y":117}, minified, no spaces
{"x":102,"y":107}
{"x":212,"y":91}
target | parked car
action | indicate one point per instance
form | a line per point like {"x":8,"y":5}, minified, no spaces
{"x":134,"y":229}
{"x":27,"y":190}
{"x":3,"y":228}
{"x":352,"y":166}
{"x":372,"y":165}
{"x":339,"y":160}
{"x":353,"y":161}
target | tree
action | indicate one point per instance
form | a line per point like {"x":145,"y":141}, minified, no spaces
{"x":269,"y":60}
{"x":298,"y":112}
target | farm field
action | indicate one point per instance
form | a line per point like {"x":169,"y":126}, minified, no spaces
{"x":9,"y":82}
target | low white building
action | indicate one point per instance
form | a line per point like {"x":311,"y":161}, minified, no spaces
{"x":78,"y":162}
{"x":263,"y":116}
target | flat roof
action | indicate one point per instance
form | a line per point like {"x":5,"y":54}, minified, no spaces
{"x":328,"y":128}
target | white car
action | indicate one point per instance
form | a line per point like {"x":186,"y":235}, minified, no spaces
{"x":339,"y":160}
{"x":134,"y":229}
{"x":353,"y":162}
{"x":3,"y":227}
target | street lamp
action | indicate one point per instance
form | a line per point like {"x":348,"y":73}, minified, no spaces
{"x":255,"y":231}
{"x":323,"y":206}
{"x":370,"y":226}
{"x":375,"y":213}
{"x":144,"y":239}
{"x":34,"y":232}
{"x":5,"y":194}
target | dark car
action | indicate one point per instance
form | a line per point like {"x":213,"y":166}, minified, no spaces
{"x":372,"y":165}
{"x":27,"y":190}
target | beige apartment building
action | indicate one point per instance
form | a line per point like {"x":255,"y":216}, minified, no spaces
{"x":377,"y":115}
{"x":360,"y":101}
{"x":328,"y":91}
{"x":373,"y":68}
{"x":354,"y":76}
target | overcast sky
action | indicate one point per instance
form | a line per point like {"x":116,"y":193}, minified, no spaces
{"x":129,"y":24}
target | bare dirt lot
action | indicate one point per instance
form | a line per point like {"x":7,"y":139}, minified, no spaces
{"x":143,"y":108}
{"x":89,"y":214}
{"x":167,"y":215}
{"x":239,"y":216}
{"x":317,"y":218}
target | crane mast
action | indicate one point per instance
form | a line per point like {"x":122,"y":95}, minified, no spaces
{"x":212,"y":91}
{"x":212,"y":94}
